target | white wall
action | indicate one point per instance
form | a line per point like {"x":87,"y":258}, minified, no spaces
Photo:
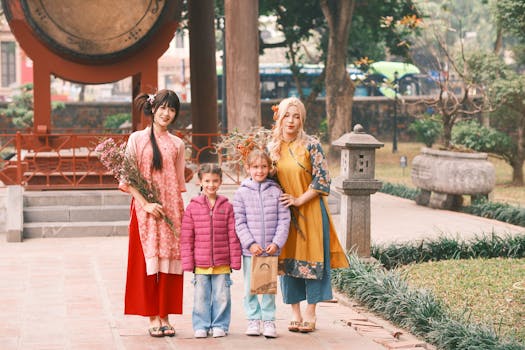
{"x":3,"y":198}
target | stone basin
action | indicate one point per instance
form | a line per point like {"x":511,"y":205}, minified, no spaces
{"x":453,"y":173}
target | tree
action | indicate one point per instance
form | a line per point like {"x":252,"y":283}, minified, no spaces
{"x":511,"y":15}
{"x":298,"y":21}
{"x":348,"y":30}
{"x":20,"y":110}
{"x":458,"y":94}
{"x":339,"y":87}
{"x":505,"y":85}
{"x":507,"y":90}
{"x":442,"y":50}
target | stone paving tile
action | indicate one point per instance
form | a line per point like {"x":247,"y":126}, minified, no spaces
{"x":408,"y":344}
{"x":61,"y":293}
{"x":69,"y":294}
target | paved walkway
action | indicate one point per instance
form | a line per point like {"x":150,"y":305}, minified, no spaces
{"x":60,"y":293}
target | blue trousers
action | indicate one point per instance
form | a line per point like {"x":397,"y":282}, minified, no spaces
{"x":211,"y":302}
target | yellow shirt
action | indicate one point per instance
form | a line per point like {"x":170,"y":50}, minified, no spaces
{"x":213,"y":270}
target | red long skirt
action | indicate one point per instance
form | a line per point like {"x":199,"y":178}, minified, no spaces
{"x":153,"y":295}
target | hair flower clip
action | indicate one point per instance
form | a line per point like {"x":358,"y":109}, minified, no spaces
{"x":275,"y":109}
{"x":151,"y":98}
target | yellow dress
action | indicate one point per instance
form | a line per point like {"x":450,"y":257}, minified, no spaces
{"x":299,"y":168}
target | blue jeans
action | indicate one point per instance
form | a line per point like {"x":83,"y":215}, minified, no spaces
{"x":211,"y":302}
{"x":265,"y":310}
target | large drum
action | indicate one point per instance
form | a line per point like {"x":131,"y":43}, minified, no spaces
{"x":94,"y":31}
{"x":92,"y":42}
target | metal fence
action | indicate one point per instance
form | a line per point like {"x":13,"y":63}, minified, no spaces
{"x":69,"y":161}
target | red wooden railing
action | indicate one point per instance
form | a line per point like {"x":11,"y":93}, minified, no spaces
{"x":69,"y":161}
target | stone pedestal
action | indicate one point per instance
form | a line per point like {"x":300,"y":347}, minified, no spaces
{"x":356,"y":183}
{"x":445,"y":176}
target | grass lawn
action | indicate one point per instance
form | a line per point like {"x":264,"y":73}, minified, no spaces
{"x":485,"y":291}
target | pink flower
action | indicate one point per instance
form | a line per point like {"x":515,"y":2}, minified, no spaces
{"x":124,"y":168}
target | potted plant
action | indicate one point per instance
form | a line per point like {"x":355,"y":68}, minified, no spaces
{"x":445,"y":174}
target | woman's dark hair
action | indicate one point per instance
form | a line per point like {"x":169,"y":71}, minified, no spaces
{"x":209,"y":168}
{"x":148,"y":104}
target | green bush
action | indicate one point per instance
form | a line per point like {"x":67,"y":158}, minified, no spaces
{"x":323,"y":130}
{"x":444,"y":248}
{"x":399,"y":190}
{"x":472,"y":135}
{"x":427,"y":129}
{"x":497,"y":211}
{"x":418,"y":310}
{"x":114,"y":121}
{"x":20,"y":110}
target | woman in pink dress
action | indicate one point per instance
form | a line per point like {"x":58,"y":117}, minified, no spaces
{"x":154,"y":277}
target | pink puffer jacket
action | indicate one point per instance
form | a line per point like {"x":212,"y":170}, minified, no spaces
{"x":208,"y":235}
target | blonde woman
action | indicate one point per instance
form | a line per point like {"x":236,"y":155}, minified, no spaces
{"x":312,"y":248}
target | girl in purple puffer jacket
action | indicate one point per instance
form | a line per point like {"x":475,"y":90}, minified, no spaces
{"x":262,"y":224}
{"x":210,"y":248}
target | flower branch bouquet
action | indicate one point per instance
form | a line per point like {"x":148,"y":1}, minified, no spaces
{"x":238,"y":145}
{"x":124,"y":168}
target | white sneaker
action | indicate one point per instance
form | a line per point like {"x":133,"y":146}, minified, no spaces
{"x":269,"y":329}
{"x":201,"y":333}
{"x":218,"y":332}
{"x":254,"y":327}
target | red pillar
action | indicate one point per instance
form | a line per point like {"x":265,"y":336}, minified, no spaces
{"x":145,"y":81}
{"x":42,"y":98}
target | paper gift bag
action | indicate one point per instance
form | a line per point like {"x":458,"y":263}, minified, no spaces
{"x":263,"y":275}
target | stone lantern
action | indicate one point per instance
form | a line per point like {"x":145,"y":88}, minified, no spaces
{"x":356,"y":183}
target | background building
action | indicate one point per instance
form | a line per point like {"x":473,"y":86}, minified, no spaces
{"x":17,"y":69}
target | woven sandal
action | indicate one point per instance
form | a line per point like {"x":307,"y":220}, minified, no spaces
{"x":293,"y":326}
{"x":307,"y":327}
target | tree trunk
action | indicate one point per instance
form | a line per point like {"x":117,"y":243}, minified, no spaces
{"x":447,"y":130}
{"x":316,"y":90}
{"x":517,"y":173}
{"x":498,"y":44}
{"x":82,"y":93}
{"x":517,"y":167}
{"x":242,"y":70}
{"x":339,"y":86}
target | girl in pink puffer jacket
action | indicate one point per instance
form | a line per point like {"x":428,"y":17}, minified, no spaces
{"x":210,"y":248}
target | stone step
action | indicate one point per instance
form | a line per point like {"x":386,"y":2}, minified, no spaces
{"x":76,"y":213}
{"x":75,"y":198}
{"x":75,"y":229}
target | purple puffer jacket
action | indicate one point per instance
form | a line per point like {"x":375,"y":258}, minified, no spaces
{"x":208,"y":235}
{"x":259,"y":215}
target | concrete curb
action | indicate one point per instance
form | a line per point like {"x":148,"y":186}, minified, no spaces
{"x":14,"y":213}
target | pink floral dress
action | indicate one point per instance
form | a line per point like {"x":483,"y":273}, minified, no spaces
{"x":160,"y":244}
